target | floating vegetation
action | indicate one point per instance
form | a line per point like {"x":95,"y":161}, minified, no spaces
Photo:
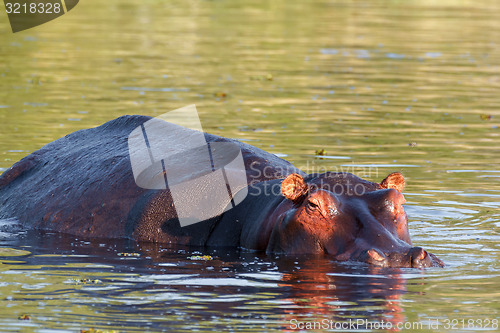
{"x":201,"y":258}
{"x":86,"y":281}
{"x":129,"y":254}
{"x":220,"y":94}
{"x":93,"y":330}
{"x":24,"y":317}
{"x":320,"y":152}
{"x":486,"y":116}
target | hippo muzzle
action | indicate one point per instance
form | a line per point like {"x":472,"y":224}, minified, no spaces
{"x":415,"y":257}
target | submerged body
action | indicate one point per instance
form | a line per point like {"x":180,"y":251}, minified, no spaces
{"x":83,"y":185}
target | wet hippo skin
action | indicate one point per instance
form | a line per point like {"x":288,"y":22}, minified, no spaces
{"x":82,"y":184}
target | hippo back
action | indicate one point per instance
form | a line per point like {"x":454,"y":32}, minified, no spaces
{"x":83,"y":184}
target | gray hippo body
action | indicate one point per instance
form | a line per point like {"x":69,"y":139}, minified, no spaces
{"x":82,"y":184}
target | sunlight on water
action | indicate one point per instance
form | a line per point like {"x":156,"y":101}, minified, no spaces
{"x":382,"y":86}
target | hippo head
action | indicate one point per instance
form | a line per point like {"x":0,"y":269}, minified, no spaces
{"x":349,"y":218}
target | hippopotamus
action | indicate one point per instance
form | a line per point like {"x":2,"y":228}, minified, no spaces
{"x":83,"y":185}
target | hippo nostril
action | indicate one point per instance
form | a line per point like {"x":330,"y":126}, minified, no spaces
{"x":376,"y":255}
{"x":419,"y":258}
{"x":421,"y":255}
{"x":418,"y":253}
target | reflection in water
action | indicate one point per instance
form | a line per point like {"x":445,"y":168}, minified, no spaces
{"x":241,"y":287}
{"x":341,"y":292}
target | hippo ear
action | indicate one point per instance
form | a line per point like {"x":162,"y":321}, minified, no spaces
{"x":294,"y":187}
{"x":395,"y":180}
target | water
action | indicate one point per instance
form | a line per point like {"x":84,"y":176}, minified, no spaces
{"x":380,"y":86}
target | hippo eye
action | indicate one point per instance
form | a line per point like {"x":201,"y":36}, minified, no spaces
{"x":312,"y":204}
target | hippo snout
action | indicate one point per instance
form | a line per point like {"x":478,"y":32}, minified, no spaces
{"x":415,"y":257}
